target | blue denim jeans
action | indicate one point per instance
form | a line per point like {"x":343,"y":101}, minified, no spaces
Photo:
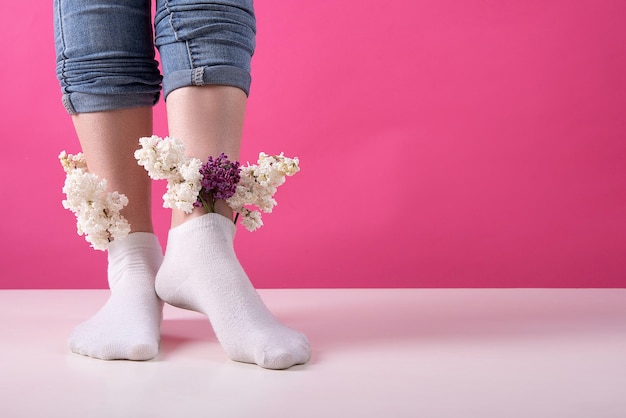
{"x":106,"y":57}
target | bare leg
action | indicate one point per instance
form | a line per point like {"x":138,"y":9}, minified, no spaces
{"x":108,"y":140}
{"x":127,"y":327}
{"x":209,"y":120}
{"x":200,"y":270}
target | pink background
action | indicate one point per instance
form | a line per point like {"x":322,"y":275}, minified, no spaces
{"x":443,"y":143}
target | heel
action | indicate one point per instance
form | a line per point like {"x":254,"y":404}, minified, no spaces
{"x":176,"y":295}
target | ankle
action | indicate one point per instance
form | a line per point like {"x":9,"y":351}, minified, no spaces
{"x":179,"y":217}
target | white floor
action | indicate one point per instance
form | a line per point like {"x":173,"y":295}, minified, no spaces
{"x":377,"y":353}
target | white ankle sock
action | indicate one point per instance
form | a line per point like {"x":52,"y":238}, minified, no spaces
{"x":201,"y":272}
{"x":127,"y":326}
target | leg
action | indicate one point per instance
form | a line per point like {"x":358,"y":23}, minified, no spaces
{"x":200,"y":270}
{"x":111,"y":109}
{"x":127,"y":327}
{"x":209,"y":119}
{"x":108,"y":140}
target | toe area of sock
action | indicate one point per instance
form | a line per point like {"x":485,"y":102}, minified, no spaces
{"x":141,"y":351}
{"x":278,"y":359}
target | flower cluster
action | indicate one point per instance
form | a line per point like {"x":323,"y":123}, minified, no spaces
{"x":258,"y":185}
{"x":165,"y":159}
{"x":97,"y":212}
{"x":219,"y":181}
{"x":190,"y":183}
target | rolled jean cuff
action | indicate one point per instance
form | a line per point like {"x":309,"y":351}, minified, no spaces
{"x":78,"y":102}
{"x":222,"y":75}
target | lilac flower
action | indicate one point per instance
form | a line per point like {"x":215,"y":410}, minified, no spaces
{"x":258,"y":185}
{"x":165,"y":159}
{"x":190,"y":183}
{"x":219,"y":181}
{"x":97,"y":211}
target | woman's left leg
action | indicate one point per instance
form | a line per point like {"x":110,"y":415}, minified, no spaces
{"x":200,"y":270}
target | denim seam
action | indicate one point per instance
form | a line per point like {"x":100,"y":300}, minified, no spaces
{"x":171,"y":19}
{"x":198,"y":76}
{"x":190,"y":54}
{"x":65,"y":99}
{"x":62,"y":37}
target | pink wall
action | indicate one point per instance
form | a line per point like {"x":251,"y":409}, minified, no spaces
{"x":443,"y":143}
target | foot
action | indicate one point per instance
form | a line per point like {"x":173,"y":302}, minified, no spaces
{"x":201,"y":272}
{"x":127,"y":326}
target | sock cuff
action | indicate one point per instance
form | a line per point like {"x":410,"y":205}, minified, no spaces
{"x":134,"y":239}
{"x":133,"y":242}
{"x":210,"y":221}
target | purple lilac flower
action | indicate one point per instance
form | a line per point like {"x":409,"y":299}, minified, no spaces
{"x":219,"y":181}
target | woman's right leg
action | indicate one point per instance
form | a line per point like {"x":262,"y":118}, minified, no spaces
{"x":105,"y":63}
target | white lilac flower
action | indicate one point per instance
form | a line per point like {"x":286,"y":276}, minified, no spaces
{"x":181,"y":196}
{"x":162,"y":158}
{"x":97,"y":212}
{"x":71,"y":162}
{"x":257,"y":186}
{"x":251,"y":220}
{"x":165,"y":159}
{"x":190,"y":170}
{"x":171,"y":155}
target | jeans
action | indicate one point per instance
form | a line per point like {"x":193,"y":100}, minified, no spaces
{"x":105,"y":56}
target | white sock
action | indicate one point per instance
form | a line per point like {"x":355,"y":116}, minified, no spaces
{"x":201,"y":272}
{"x":127,"y":326}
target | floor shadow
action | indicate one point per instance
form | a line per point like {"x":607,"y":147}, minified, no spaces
{"x":176,"y":333}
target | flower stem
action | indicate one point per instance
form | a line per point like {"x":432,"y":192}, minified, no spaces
{"x":205,"y":205}
{"x":212,"y":202}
